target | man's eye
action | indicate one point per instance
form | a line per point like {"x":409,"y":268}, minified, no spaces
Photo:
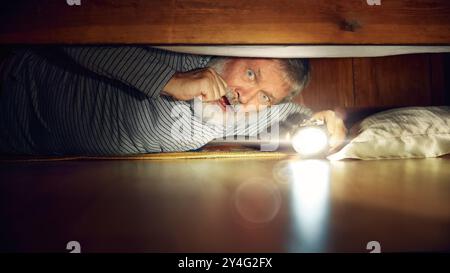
{"x":250,"y":74}
{"x":264,"y":98}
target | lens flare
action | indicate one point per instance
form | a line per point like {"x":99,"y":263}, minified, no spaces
{"x":310,"y":141}
{"x":257,"y":200}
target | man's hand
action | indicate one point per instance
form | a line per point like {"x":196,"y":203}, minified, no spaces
{"x":335,"y":126}
{"x":204,"y":83}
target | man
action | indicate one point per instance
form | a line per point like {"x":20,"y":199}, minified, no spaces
{"x":129,"y":100}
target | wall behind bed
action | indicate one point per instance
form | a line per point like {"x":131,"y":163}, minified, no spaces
{"x":404,"y":80}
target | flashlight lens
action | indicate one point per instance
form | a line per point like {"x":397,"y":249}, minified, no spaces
{"x":310,"y":141}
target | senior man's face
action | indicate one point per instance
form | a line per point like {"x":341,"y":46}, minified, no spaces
{"x":255,"y":81}
{"x":252,"y":82}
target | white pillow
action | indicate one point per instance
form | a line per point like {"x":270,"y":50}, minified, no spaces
{"x":410,"y":132}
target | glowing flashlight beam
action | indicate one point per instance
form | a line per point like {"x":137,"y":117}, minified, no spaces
{"x":310,"y":207}
{"x":310,"y":141}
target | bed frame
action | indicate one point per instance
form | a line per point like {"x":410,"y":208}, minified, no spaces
{"x":226,"y":22}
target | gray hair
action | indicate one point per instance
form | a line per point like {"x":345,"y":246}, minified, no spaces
{"x":218,"y":63}
{"x":297,"y":75}
{"x":296,"y":72}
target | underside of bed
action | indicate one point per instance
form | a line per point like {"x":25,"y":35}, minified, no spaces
{"x":226,"y":22}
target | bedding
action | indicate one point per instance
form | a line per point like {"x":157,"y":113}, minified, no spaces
{"x":409,"y":132}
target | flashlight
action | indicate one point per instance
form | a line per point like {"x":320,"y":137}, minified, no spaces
{"x":310,"y":139}
{"x":307,"y":137}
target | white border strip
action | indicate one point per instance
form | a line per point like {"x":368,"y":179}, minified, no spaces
{"x":307,"y":51}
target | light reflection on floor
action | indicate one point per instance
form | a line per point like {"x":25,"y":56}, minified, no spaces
{"x":310,"y":184}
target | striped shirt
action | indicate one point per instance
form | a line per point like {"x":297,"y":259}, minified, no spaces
{"x":103,"y":101}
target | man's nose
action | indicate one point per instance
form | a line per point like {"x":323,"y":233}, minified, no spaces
{"x":246,"y":95}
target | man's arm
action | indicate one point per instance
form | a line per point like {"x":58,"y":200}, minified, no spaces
{"x":152,"y":71}
{"x":145,"y":69}
{"x":259,"y":122}
{"x":281,"y":112}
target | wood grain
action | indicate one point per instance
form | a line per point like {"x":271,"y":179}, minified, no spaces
{"x":407,"y":80}
{"x":437,"y":79}
{"x":225,"y":205}
{"x":331,"y":84}
{"x":445,"y":77}
{"x":392,"y":81}
{"x":226,"y":22}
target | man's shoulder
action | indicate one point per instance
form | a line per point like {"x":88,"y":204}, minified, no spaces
{"x":186,"y":60}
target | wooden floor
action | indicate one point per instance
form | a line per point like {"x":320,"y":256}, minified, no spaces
{"x":225,"y":205}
